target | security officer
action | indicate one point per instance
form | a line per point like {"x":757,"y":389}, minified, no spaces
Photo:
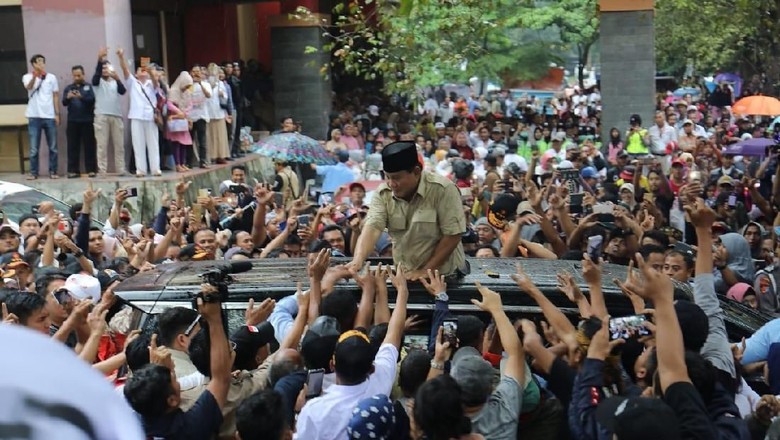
{"x":422,"y":213}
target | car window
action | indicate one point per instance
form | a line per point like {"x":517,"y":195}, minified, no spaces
{"x":17,"y":204}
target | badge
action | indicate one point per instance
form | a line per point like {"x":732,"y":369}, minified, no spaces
{"x":85,"y":88}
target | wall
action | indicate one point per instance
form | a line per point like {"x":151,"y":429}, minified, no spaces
{"x":263,"y":13}
{"x":211,"y":34}
{"x":70,"y":32}
{"x":627,"y":68}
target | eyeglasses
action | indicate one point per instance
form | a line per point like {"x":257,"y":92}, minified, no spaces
{"x":192,"y":326}
{"x":62,"y":296}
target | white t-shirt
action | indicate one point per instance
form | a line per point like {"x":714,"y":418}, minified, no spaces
{"x":40,"y":102}
{"x":141,"y":108}
{"x":107,"y":98}
{"x":212,"y":104}
{"x":199,"y":110}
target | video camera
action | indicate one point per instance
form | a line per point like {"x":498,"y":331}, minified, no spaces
{"x":219,"y":277}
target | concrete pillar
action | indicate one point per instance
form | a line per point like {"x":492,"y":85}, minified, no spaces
{"x":247,"y":31}
{"x":300,"y":90}
{"x":627,"y":40}
{"x":68,"y":36}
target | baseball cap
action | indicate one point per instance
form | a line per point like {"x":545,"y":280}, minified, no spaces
{"x":11,"y":226}
{"x":725,"y":180}
{"x":373,"y":417}
{"x":622,"y":153}
{"x":439,"y":125}
{"x":373,"y":110}
{"x":686,"y":122}
{"x":627,"y":173}
{"x":589,"y":173}
{"x":496,"y":130}
{"x":678,"y":161}
{"x":525,"y":207}
{"x":354,"y":355}
{"x":474,"y":375}
{"x":354,"y":185}
{"x":319,"y":342}
{"x":501,"y":210}
{"x":82,"y":286}
{"x":558,"y":137}
{"x":638,"y":418}
{"x":249,"y":339}
{"x":627,"y":186}
{"x":107,"y":277}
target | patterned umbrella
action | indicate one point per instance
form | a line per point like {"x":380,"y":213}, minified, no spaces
{"x":293,"y":147}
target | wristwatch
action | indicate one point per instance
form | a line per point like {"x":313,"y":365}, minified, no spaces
{"x":442,"y":297}
{"x":436,"y":366}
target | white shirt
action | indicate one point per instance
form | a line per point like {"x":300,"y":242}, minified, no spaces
{"x":326,"y":417}
{"x":40,"y":103}
{"x":141,"y":108}
{"x":212,"y":104}
{"x":199,"y":110}
{"x":660,"y":137}
{"x":107,"y":98}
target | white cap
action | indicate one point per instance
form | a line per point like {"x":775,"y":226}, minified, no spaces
{"x":373,"y":110}
{"x":439,"y":125}
{"x":82,"y":286}
{"x":628,"y":186}
{"x":559,"y":136}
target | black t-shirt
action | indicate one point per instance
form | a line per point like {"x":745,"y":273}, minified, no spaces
{"x":202,"y":421}
{"x":561,"y":381}
{"x":691,"y":412}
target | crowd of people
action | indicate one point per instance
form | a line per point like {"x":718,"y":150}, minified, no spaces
{"x":463,"y":177}
{"x":193,"y":121}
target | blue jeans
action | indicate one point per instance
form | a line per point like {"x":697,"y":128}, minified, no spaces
{"x":34,"y":128}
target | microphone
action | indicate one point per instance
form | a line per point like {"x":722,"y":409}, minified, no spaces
{"x":240,"y":266}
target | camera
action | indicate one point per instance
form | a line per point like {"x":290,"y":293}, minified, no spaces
{"x":218,"y":277}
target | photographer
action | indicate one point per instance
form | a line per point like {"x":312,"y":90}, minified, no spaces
{"x":154,"y":393}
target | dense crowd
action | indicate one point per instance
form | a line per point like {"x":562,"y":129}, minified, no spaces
{"x":463,"y":176}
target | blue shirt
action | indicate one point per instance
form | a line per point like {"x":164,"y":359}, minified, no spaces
{"x":757,"y":346}
{"x":335,"y":176}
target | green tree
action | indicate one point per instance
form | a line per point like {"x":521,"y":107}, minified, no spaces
{"x":419,"y":43}
{"x":725,"y":35}
{"x":576,"y":22}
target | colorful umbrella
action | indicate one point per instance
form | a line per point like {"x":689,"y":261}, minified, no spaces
{"x":757,"y":105}
{"x":750,"y":147}
{"x":293,"y":147}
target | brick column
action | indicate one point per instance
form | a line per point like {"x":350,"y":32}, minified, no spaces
{"x":627,"y":40}
{"x":300,"y":90}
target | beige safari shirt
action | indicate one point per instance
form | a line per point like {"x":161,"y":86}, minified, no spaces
{"x":417,"y":226}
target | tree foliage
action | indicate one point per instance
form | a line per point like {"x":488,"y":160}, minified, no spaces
{"x":418,"y":43}
{"x":576,"y":22}
{"x":725,"y":35}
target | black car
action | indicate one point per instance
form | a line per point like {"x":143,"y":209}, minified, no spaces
{"x":176,"y":284}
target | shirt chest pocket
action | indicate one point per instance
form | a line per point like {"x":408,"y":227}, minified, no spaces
{"x":424,"y":223}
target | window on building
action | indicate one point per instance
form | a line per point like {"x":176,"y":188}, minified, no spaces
{"x":13,"y":60}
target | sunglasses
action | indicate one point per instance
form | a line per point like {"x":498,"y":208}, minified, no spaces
{"x":191,"y":327}
{"x":62,"y":296}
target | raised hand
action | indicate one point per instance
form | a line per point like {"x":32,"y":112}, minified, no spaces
{"x":523,"y":281}
{"x":366,"y":280}
{"x":701,"y":215}
{"x":160,"y":355}
{"x":491,"y":300}
{"x":182,"y":187}
{"x":319,"y":265}
{"x":90,"y":195}
{"x":662,"y":287}
{"x":254,"y":316}
{"x":568,"y":287}
{"x":435,"y":283}
{"x":591,"y":270}
{"x":600,"y":345}
{"x":9,"y":318}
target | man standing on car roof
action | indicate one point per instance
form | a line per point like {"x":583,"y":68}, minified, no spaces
{"x":422,"y":213}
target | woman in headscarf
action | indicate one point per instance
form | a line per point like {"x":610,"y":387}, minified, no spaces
{"x":733,"y":263}
{"x":216,"y":133}
{"x":180,"y":97}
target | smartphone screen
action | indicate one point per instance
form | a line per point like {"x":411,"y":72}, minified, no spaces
{"x":197,"y":210}
{"x":628,"y":327}
{"x":314,"y":380}
{"x":304,"y":220}
{"x":450,"y":331}
{"x":732,"y":200}
{"x":132,"y":192}
{"x":278,"y":199}
{"x":594,"y":247}
{"x":204,"y":192}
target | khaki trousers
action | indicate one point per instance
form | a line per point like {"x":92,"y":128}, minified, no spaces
{"x":108,"y":127}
